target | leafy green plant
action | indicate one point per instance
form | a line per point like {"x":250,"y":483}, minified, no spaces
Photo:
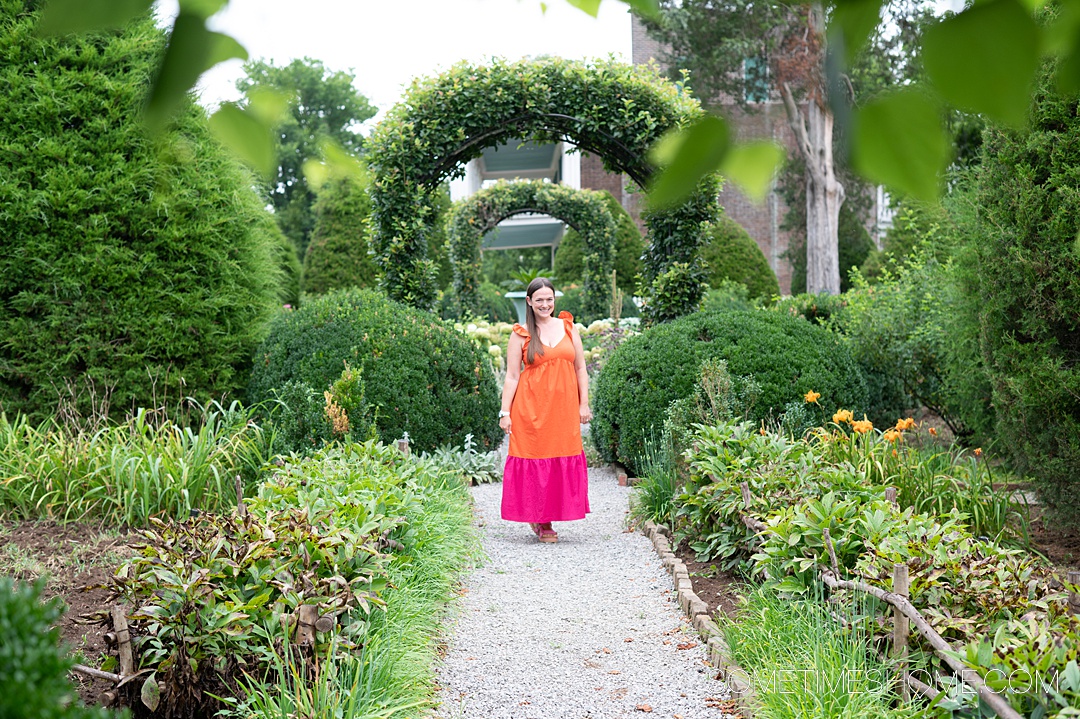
{"x":629,"y":244}
{"x":654,"y":494}
{"x":420,"y":375}
{"x":33,"y":667}
{"x":476,"y":467}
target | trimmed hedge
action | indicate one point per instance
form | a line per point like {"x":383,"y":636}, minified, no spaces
{"x":1029,"y":291}
{"x":147,"y":267}
{"x":338,"y":254}
{"x":732,"y":254}
{"x":786,"y":356}
{"x":420,"y":375}
{"x":628,"y":248}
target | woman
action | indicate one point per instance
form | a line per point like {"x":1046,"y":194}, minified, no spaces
{"x":545,"y":401}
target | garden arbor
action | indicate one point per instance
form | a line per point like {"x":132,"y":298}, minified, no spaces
{"x":584,"y":210}
{"x":610,"y":109}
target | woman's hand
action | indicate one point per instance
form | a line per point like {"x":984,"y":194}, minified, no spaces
{"x":585,"y":413}
{"x":504,"y":422}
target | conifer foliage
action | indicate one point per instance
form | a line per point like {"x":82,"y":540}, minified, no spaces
{"x":142,"y":264}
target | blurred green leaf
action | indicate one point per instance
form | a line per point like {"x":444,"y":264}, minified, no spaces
{"x":753,"y":166}
{"x":202,"y":8}
{"x":899,"y":141}
{"x":592,"y":7}
{"x":63,"y":16}
{"x":335,"y":162}
{"x":268,"y":104}
{"x":192,"y":50}
{"x":689,"y":155}
{"x":852,"y":22}
{"x":246,"y":135}
{"x":645,"y":8}
{"x":984,"y":59}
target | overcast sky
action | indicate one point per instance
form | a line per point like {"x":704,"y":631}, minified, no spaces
{"x":386,"y":43}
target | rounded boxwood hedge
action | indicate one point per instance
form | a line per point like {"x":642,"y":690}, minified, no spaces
{"x":786,"y":356}
{"x":142,"y":267}
{"x":420,"y":375}
{"x":732,"y":254}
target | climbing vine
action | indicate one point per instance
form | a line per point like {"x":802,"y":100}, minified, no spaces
{"x":584,"y":210}
{"x":610,"y":109}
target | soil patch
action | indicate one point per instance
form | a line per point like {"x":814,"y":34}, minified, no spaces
{"x":1060,"y":544}
{"x":76,"y":561}
{"x":718,"y":589}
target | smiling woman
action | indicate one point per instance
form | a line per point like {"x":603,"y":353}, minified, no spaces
{"x":543,"y":407}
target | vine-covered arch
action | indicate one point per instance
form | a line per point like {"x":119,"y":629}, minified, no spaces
{"x":584,"y":210}
{"x":610,"y":109}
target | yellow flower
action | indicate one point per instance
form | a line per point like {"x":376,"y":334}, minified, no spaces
{"x":892,"y":435}
{"x":812,"y":396}
{"x":843,"y":415}
{"x":862,"y":426}
{"x":902,"y":424}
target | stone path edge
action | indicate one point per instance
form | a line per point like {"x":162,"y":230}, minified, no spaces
{"x":734,"y":676}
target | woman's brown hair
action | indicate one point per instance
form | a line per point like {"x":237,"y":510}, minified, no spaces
{"x":536,"y":347}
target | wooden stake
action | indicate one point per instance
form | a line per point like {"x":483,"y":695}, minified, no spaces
{"x":1074,"y":597}
{"x":241,"y":508}
{"x":306,"y":617}
{"x":901,"y":626}
{"x":123,"y":641}
{"x":890,"y":496}
{"x":832,"y":552}
{"x":403,"y":446}
{"x":744,"y":487}
{"x":325,"y":623}
{"x":96,"y":673}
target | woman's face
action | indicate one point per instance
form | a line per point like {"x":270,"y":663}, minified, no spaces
{"x":543,"y":301}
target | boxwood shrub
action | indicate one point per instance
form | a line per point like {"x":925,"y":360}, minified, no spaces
{"x":733,"y":255}
{"x":786,"y":356}
{"x":420,"y":375}
{"x":628,"y":248}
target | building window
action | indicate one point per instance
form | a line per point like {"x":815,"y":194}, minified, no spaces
{"x":755,"y":79}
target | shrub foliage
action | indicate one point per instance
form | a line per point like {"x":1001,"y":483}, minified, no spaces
{"x":787,"y":357}
{"x":1029,"y":289}
{"x":730,"y":253}
{"x":420,"y":375}
{"x":338,"y":255}
{"x":145,"y":266}
{"x":628,"y":248}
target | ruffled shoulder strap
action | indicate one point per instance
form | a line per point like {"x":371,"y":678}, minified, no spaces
{"x":568,"y":322}
{"x":521,"y":331}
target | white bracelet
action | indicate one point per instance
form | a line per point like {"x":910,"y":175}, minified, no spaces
{"x":503,"y":413}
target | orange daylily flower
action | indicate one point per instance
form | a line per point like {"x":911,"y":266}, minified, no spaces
{"x":933,"y":432}
{"x":842,"y":415}
{"x":863,"y":425}
{"x":902,"y":424}
{"x":812,"y":396}
{"x":892,"y":435}
{"x":978,"y":451}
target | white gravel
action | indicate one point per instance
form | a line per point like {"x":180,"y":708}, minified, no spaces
{"x":588,"y":627}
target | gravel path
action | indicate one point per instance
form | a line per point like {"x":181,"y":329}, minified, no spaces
{"x":588,"y":627}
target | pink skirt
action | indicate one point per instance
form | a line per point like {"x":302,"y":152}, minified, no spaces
{"x":545,"y":490}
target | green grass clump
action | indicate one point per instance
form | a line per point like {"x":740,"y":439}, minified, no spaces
{"x":802,"y":664}
{"x":122,"y":474}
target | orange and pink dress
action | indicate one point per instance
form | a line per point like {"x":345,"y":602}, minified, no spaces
{"x":545,"y":478}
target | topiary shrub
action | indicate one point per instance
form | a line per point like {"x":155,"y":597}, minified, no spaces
{"x":628,"y":248}
{"x":338,"y":254}
{"x":143,"y":266}
{"x":289,"y":262}
{"x":732,"y":254}
{"x":571,"y":301}
{"x":785,"y":356}
{"x":1029,"y":292}
{"x":33,"y":668}
{"x":420,"y":375}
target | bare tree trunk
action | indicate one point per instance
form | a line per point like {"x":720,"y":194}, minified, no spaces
{"x":824,"y":193}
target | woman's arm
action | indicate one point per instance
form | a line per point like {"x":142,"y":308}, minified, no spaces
{"x":582,"y":378}
{"x":513,"y":374}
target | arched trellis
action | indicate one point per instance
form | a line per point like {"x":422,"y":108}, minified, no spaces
{"x":584,"y":210}
{"x":610,"y":109}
